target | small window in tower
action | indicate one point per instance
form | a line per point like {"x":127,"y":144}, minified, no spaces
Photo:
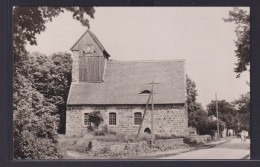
{"x":145,"y":92}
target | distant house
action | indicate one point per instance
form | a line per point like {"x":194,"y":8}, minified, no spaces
{"x":120,"y":89}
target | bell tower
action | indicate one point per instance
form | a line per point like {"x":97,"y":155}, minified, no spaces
{"x":89,"y":59}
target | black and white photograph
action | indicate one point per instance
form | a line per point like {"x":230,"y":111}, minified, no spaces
{"x":131,"y":83}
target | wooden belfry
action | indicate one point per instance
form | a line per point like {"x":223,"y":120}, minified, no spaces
{"x":146,"y":107}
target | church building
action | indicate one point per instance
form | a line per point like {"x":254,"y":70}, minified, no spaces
{"x":119,"y":90}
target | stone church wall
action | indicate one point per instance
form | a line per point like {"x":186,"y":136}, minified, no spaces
{"x":168,"y":119}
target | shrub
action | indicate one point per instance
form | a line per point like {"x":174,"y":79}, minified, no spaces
{"x":111,"y":138}
{"x":99,"y":133}
{"x":104,"y":132}
{"x":96,"y":118}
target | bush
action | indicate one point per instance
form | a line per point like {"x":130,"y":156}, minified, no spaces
{"x":76,"y":142}
{"x":96,"y":118}
{"x":99,"y":133}
{"x":112,"y":138}
{"x":104,"y":131}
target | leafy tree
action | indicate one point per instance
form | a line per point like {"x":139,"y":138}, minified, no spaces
{"x":212,"y":127}
{"x":242,"y":106}
{"x":199,"y":119}
{"x":51,"y":76}
{"x":226,"y":113}
{"x":192,"y":105}
{"x":62,"y":69}
{"x":35,"y":114}
{"x":203,"y":123}
{"x":35,"y":123}
{"x":30,"y":21}
{"x":242,"y":19}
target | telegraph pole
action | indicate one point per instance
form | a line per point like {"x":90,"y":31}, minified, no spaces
{"x":152,"y":131}
{"x":152,"y":118}
{"x":217,"y":115}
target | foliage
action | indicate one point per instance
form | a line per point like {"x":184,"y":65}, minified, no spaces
{"x":199,"y":120}
{"x":197,"y":117}
{"x":51,"y":76}
{"x":242,"y":106}
{"x":192,"y":105}
{"x":242,"y":20}
{"x":226,"y":112}
{"x":30,"y":21}
{"x":37,"y":103}
{"x":212,"y":126}
{"x":99,"y":133}
{"x":96,"y":118}
{"x":203,"y":123}
{"x":35,"y":124}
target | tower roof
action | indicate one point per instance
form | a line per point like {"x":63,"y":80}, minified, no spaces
{"x":75,"y":47}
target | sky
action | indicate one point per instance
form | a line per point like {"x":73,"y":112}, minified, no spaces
{"x":197,"y":34}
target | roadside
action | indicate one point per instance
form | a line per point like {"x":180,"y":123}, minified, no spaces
{"x":233,"y":149}
{"x":182,"y":150}
{"x":156,"y":155}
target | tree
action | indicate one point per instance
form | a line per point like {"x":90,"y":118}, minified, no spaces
{"x":51,"y":76}
{"x":242,"y":19}
{"x":212,"y":127}
{"x":35,"y":114}
{"x":203,"y":123}
{"x":29,"y":21}
{"x":62,"y":70}
{"x":192,"y":105}
{"x":242,"y":106}
{"x":35,"y":123}
{"x":199,"y":119}
{"x":226,"y":113}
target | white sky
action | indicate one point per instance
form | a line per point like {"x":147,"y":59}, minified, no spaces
{"x":196,"y":34}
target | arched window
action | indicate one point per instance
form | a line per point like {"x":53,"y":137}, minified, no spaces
{"x":147,"y":130}
{"x":112,"y":118}
{"x":137,"y":118}
{"x":86,"y":119}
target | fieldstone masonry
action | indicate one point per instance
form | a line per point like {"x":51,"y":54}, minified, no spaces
{"x":168,"y":119}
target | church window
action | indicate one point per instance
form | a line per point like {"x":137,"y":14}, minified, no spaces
{"x":137,"y":118}
{"x":86,"y":119}
{"x":112,"y":118}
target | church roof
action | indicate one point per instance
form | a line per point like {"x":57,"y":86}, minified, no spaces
{"x":124,"y":81}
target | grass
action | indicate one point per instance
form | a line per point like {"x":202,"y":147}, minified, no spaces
{"x":82,"y":143}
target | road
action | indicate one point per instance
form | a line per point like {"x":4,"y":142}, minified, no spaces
{"x":235,"y":149}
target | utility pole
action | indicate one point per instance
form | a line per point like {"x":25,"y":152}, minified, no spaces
{"x":152,"y":131}
{"x":152,"y":118}
{"x":217,"y":115}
